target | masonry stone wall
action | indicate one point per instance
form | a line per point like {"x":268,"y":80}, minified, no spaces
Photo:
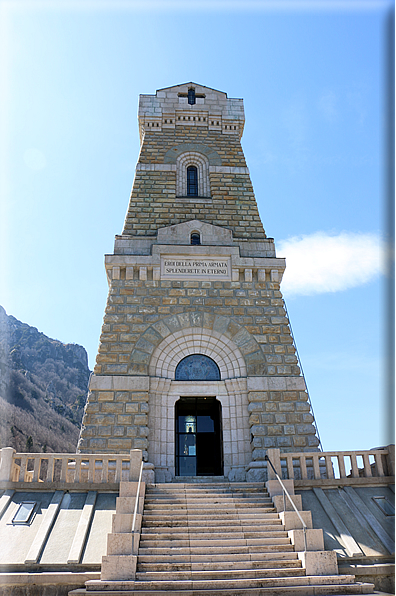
{"x":139,"y":315}
{"x":280,"y":419}
{"x":153,"y":203}
{"x":135,"y":308}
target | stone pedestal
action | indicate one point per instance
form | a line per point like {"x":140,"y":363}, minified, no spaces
{"x":322,"y":562}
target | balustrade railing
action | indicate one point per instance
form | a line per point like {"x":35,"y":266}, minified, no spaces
{"x":112,"y":468}
{"x":70,"y":468}
{"x":335,"y":464}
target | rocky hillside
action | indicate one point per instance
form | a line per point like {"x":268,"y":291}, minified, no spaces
{"x":43,"y":387}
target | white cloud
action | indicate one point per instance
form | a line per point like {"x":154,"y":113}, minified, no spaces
{"x":324,"y":262}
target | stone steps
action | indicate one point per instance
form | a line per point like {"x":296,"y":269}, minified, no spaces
{"x":200,"y":504}
{"x":202,"y":489}
{"x":218,"y":539}
{"x":211,"y":550}
{"x":213,"y":542}
{"x":224,"y":558}
{"x":342,"y":585}
{"x":211,"y":513}
{"x":191,"y":524}
{"x":204,"y":516}
{"x":219,"y":574}
{"x":195,"y":496}
{"x":212,"y":566}
{"x":221,"y":539}
{"x":235,"y":529}
{"x":312,"y":590}
{"x":229,"y":585}
{"x":225,"y":494}
{"x":199,"y":535}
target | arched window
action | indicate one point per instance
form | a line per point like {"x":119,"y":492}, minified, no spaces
{"x":192,"y":181}
{"x":195,"y":238}
{"x":197,"y":367}
{"x":189,"y":183}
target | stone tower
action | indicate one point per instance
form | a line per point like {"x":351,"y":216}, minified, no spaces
{"x":196,"y":363}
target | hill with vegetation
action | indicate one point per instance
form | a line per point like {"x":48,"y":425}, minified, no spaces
{"x":43,"y":388}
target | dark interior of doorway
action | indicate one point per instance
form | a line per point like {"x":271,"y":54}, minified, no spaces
{"x":198,"y":437}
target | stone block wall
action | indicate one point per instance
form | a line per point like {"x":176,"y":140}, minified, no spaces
{"x":131,"y":328}
{"x":116,"y":415}
{"x":153,"y":203}
{"x":251,"y":318}
{"x":280,"y":417}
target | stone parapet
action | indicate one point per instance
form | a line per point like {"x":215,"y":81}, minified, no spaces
{"x":210,"y":109}
{"x":144,"y":245}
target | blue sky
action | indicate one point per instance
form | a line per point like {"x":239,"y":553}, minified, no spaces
{"x":313,"y":77}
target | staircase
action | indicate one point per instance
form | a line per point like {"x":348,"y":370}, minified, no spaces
{"x":212,"y":535}
{"x":218,"y":539}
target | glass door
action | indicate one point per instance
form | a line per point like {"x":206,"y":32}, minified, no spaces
{"x":198,"y":437}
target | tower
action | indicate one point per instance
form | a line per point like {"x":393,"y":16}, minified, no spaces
{"x":196,"y":363}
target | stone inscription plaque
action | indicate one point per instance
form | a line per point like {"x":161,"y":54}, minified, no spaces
{"x":210,"y":268}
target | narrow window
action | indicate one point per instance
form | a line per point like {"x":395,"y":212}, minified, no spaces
{"x":195,"y":238}
{"x":192,"y":181}
{"x":191,"y":96}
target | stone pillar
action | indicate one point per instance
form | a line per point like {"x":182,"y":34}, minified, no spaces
{"x":6,"y":464}
{"x":274,"y":456}
{"x":136,"y":462}
{"x":273,"y":485}
{"x":390,"y":460}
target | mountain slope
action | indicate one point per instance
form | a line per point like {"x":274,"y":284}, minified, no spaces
{"x":43,"y":387}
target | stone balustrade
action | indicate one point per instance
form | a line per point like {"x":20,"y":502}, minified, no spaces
{"x":338,"y":464}
{"x":72,"y":468}
{"x":67,"y":468}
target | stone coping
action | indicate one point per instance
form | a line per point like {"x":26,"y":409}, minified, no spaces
{"x":375,"y":569}
{"x":77,"y":487}
{"x":200,"y":251}
{"x":113,"y":487}
{"x":334,"y":482}
{"x":47,"y":578}
{"x":141,"y":383}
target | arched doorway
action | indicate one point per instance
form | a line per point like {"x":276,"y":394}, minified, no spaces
{"x":198,"y":437}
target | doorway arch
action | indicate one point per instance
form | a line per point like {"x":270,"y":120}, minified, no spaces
{"x":235,"y":430}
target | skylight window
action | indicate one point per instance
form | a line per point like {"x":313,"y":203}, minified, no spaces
{"x":24,"y":512}
{"x":385,"y":505}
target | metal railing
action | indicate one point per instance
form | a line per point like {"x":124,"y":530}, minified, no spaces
{"x":303,"y":375}
{"x":134,"y":550}
{"x":286,"y":493}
